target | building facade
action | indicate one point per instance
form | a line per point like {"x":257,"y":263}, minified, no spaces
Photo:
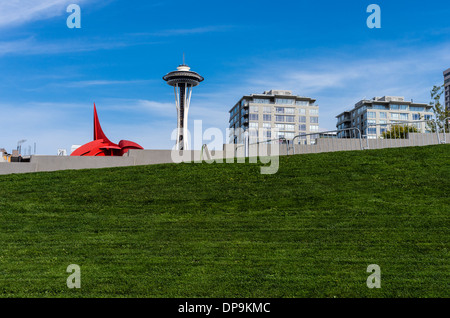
{"x":447,"y":88}
{"x":279,"y":110}
{"x":372,"y":117}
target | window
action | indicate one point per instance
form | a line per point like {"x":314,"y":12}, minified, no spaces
{"x":284,"y":101}
{"x":302,"y":111}
{"x":395,"y":115}
{"x":302,"y":119}
{"x":383,"y":114}
{"x":428,"y":117}
{"x":372,"y":131}
{"x":253,"y":117}
{"x":279,"y":110}
{"x":399,"y":107}
{"x":302,"y":102}
{"x":253,"y":125}
{"x":253,"y":132}
{"x":404,"y":116}
{"x":313,"y":127}
{"x":289,"y":119}
{"x":361,"y":109}
{"x":289,"y":110}
{"x":268,"y":134}
{"x":267,"y":109}
{"x":371,"y":115}
{"x":267,"y":125}
{"x":254,"y":109}
{"x":314,"y":120}
{"x":314,"y":112}
{"x":279,"y":126}
{"x":288,"y":135}
{"x":416,"y":109}
{"x":261,"y":101}
{"x":267,"y":117}
{"x":289,"y":127}
{"x":378,"y":106}
{"x":279,"y":118}
{"x":371,"y":121}
{"x":302,"y":127}
{"x":416,"y":116}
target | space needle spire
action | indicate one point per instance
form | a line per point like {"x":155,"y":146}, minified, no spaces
{"x":182,"y":80}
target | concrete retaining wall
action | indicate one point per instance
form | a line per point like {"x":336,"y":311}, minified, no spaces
{"x":132,"y":158}
{"x":148,"y":157}
{"x":16,"y":167}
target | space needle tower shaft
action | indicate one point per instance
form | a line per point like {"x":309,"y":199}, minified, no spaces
{"x":182,"y":80}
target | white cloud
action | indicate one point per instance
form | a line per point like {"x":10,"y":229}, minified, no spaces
{"x":339,"y":82}
{"x":100,"y":83}
{"x":186,"y":31}
{"x":336,"y":82}
{"x":17,"y":12}
{"x":54,"y":125}
{"x":30,"y":46}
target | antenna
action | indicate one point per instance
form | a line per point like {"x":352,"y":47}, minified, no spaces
{"x":19,"y":145}
{"x":184,"y":59}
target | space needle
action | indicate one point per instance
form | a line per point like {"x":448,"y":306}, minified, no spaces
{"x":182,"y":80}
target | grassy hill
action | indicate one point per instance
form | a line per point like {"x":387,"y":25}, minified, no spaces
{"x":225,"y":230}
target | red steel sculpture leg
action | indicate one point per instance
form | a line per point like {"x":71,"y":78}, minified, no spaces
{"x":102,"y":146}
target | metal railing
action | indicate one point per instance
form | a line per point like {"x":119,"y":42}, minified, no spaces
{"x":205,"y":150}
{"x":376,"y":136}
{"x":247,"y":144}
{"x":402,"y":134}
{"x":281,"y":140}
{"x":445,"y":129}
{"x":349,"y":133}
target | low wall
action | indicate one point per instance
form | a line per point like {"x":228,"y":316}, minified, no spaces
{"x":413,"y":140}
{"x":132,"y":158}
{"x":149,"y":157}
{"x":16,"y":167}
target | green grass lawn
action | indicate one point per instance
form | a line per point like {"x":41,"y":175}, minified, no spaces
{"x":225,"y":230}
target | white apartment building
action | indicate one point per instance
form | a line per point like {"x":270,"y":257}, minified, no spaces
{"x":383,"y":111}
{"x":290,"y":114}
{"x":447,"y":88}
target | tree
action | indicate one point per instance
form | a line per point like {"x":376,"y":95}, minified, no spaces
{"x":440,"y":113}
{"x":399,"y":132}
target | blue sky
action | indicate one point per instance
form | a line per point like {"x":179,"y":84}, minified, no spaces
{"x":51,"y":75}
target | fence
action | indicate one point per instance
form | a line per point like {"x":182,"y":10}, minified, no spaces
{"x":252,"y":149}
{"x":374,"y":136}
{"x":405,"y":134}
{"x":327,"y":141}
{"x":444,"y":127}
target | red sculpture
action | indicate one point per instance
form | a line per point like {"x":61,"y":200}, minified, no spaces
{"x":102,"y":146}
